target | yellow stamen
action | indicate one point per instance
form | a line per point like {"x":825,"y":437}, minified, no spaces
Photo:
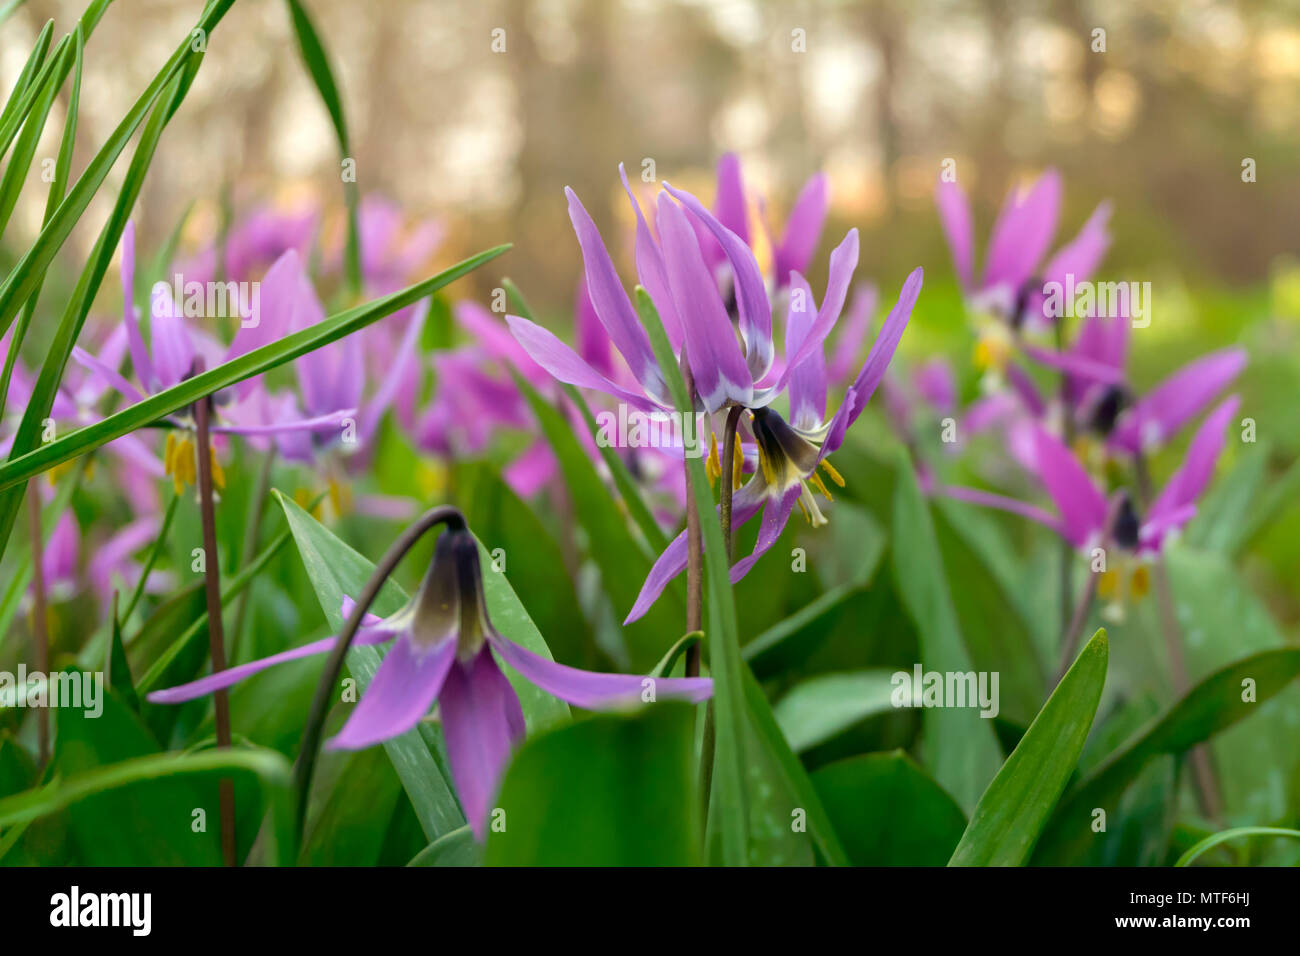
{"x":816,"y":482}
{"x":1108,"y":586}
{"x":713,"y":465}
{"x":830,"y":470}
{"x":737,"y":467}
{"x":1140,"y":583}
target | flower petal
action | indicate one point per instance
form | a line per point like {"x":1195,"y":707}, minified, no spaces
{"x":566,"y":365}
{"x":729,"y":205}
{"x":843,"y":261}
{"x":652,"y":272}
{"x":590,"y":690}
{"x":130,"y":317}
{"x":611,"y":302}
{"x":752,"y":304}
{"x":481,"y":722}
{"x":803,"y":228}
{"x":807,"y":382}
{"x":1177,"y":400}
{"x":173,"y":350}
{"x":1022,"y":233}
{"x":955,"y":217}
{"x":1081,"y":503}
{"x":1197,"y":468}
{"x":714,"y":353}
{"x":775,"y":517}
{"x":401,"y":692}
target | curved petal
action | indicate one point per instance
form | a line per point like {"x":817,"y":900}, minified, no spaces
{"x":401,"y":692}
{"x":109,"y":375}
{"x":807,"y":382}
{"x":989,"y":499}
{"x":852,"y":332}
{"x":233,"y":675}
{"x":1155,"y":417}
{"x":955,"y":217}
{"x":135,"y":341}
{"x":775,"y":517}
{"x":803,"y":228}
{"x":1023,"y":232}
{"x":752,"y":304}
{"x":611,"y":303}
{"x":843,"y":261}
{"x":590,"y":690}
{"x":652,"y":272}
{"x":173,"y":350}
{"x":565,"y":364}
{"x":729,"y":205}
{"x":1081,"y":503}
{"x":481,"y":721}
{"x":673,"y":560}
{"x":273,"y":317}
{"x":719,"y":369}
{"x":1077,"y":260}
{"x":1197,"y":468}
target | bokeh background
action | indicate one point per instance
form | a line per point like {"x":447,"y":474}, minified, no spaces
{"x":877,"y":94}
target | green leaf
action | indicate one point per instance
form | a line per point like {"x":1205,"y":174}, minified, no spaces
{"x":285,"y":349}
{"x":268,"y":767}
{"x":634,"y":806}
{"x":888,"y":811}
{"x":25,"y":89}
{"x":457,"y":848}
{"x":1211,"y":842}
{"x":959,"y":747}
{"x":18,"y":286}
{"x":317,"y":62}
{"x":348,"y":828}
{"x":685,"y":643}
{"x":816,"y":709}
{"x":1015,"y":807}
{"x":730,"y":795}
{"x":1210,"y":707}
{"x":117,"y":670}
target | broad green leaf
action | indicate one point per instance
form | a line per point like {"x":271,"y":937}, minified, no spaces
{"x":633,"y":806}
{"x":347,"y":828}
{"x":457,"y":848}
{"x":186,"y":393}
{"x":888,"y":811}
{"x":818,"y":708}
{"x":959,"y":747}
{"x":129,"y":777}
{"x":1013,"y":810}
{"x":1210,"y":707}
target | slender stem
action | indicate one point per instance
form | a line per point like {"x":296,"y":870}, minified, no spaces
{"x":1207,"y":788}
{"x":212,"y":589}
{"x":728,"y":466}
{"x":694,"y":556}
{"x":1074,"y":627}
{"x":252,"y":526}
{"x":309,"y":748}
{"x":151,"y":560}
{"x":40,"y":634}
{"x":1067,"y":552}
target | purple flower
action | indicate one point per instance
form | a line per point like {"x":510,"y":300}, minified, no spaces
{"x":1103,"y":400}
{"x":443,"y":644}
{"x":1010,"y":285}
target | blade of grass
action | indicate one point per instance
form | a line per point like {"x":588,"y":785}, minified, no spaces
{"x":318,"y":65}
{"x":24,"y":81}
{"x":30,"y":269}
{"x":286,"y":349}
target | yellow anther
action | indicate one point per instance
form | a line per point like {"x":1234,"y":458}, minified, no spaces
{"x":1108,"y":586}
{"x":816,"y":482}
{"x":1140,"y":583}
{"x":737,"y":468}
{"x":806,"y":515}
{"x":830,"y":470}
{"x":218,"y":473}
{"x":992,"y":350}
{"x":713,"y":464}
{"x":340,"y":494}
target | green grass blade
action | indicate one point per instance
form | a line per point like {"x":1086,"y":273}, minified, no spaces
{"x":155,"y":407}
{"x":30,"y":269}
{"x":34,"y":73}
{"x":318,"y":65}
{"x":1017,"y":804}
{"x":1210,"y":842}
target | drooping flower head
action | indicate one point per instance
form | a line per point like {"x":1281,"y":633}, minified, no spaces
{"x":445,"y":649}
